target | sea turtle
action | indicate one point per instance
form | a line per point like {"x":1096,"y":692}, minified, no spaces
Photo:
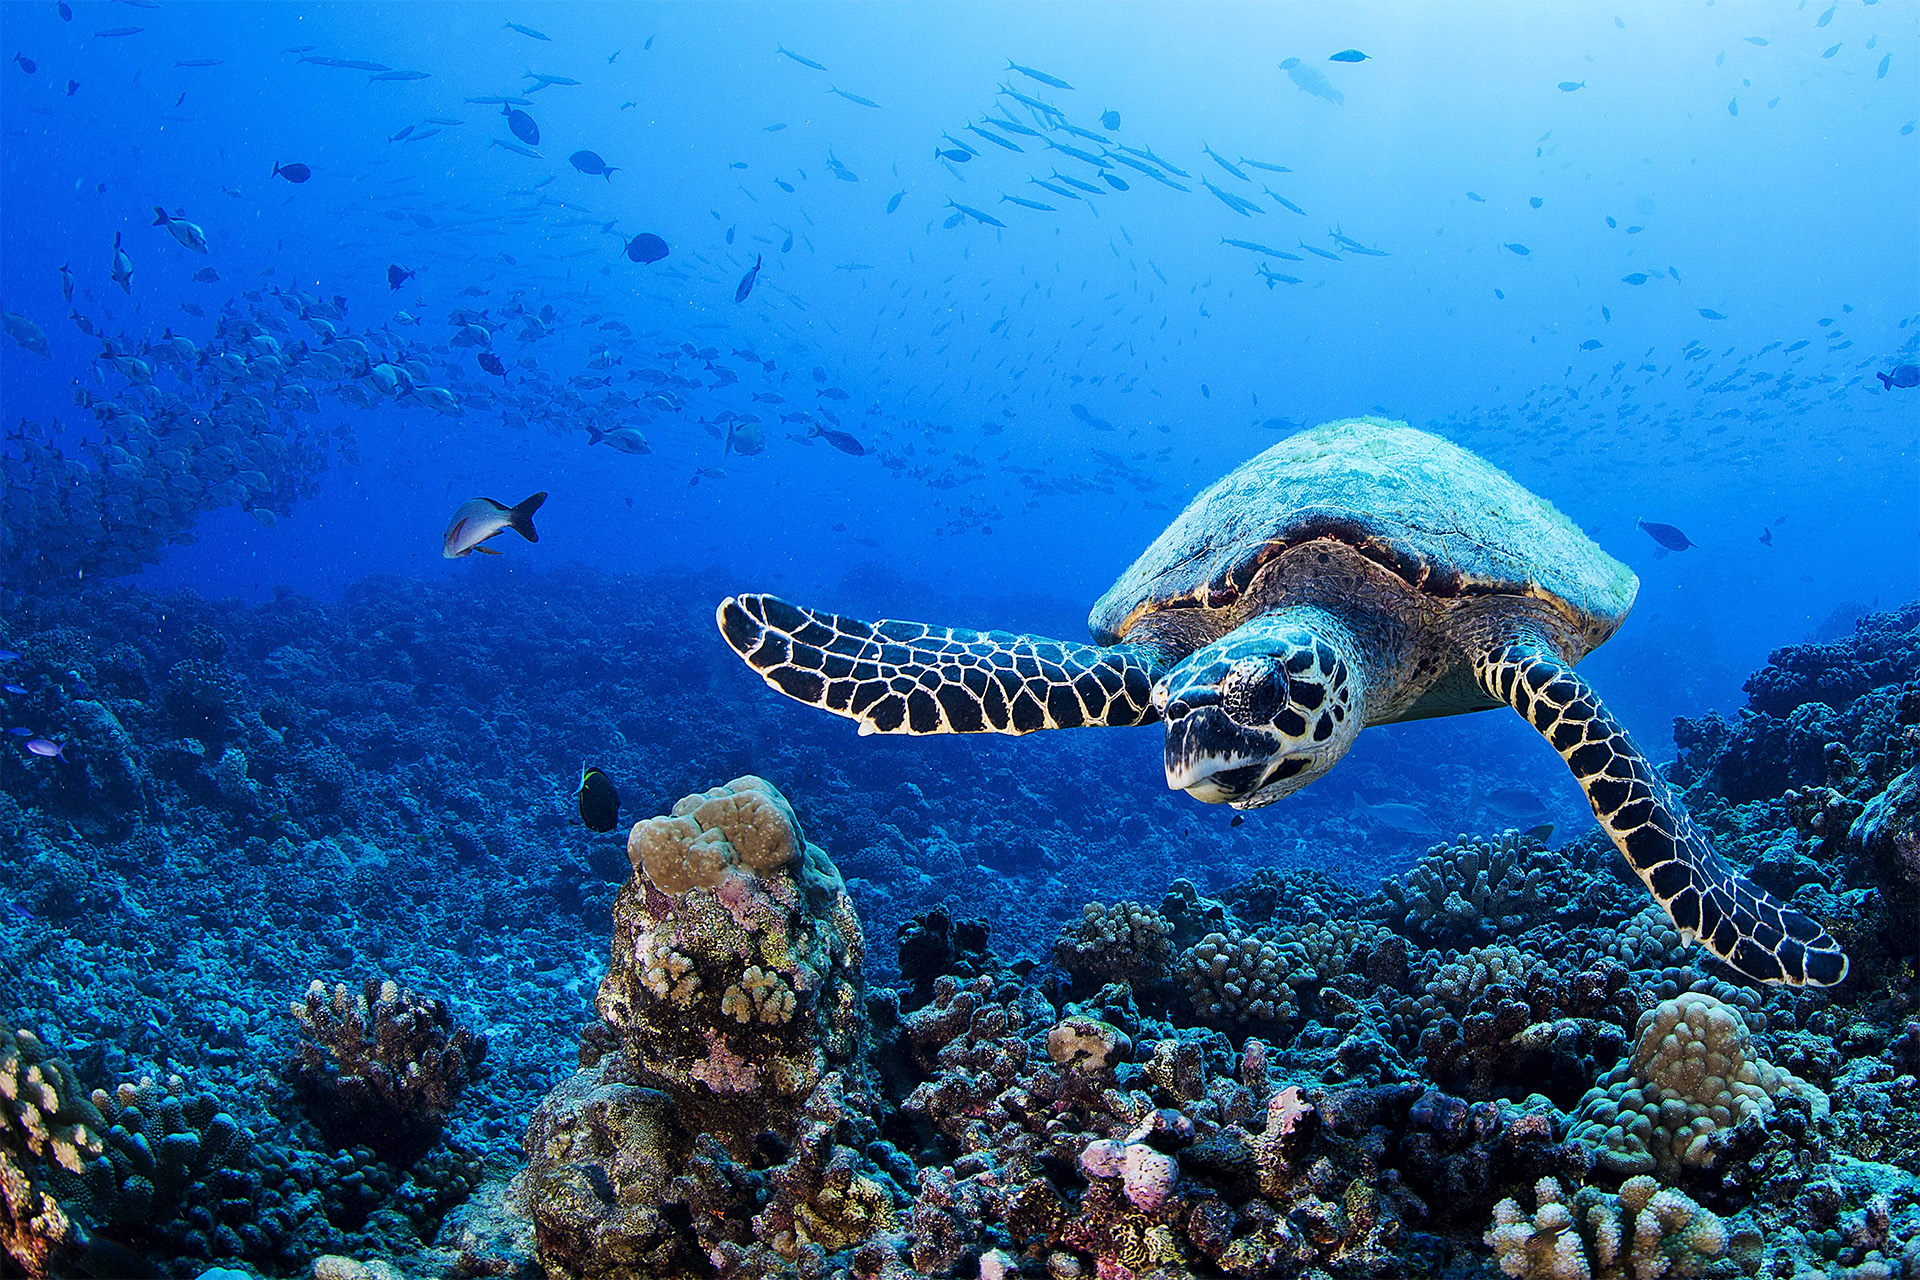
{"x":1356,"y":574}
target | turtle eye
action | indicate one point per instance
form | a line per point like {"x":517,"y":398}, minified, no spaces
{"x":1254,"y":691}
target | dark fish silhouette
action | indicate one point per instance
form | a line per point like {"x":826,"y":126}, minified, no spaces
{"x":1906,"y":375}
{"x":1109,"y":120}
{"x":26,"y":64}
{"x":398,"y":275}
{"x":590,"y":163}
{"x":491,"y":363}
{"x":295,"y":173}
{"x":1766,"y":537}
{"x":1667,"y":536}
{"x":746,"y":281}
{"x":599,"y":802}
{"x":646,"y":247}
{"x":521,"y":125}
{"x":1348,"y":55}
{"x":840,"y":440}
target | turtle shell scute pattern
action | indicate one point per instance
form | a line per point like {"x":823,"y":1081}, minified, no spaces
{"x":913,"y":678}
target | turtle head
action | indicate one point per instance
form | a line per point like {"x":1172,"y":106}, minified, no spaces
{"x":1261,"y":712}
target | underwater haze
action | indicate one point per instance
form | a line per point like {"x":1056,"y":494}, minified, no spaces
{"x":391,"y":393}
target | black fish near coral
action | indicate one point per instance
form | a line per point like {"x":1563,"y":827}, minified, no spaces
{"x":598,"y":800}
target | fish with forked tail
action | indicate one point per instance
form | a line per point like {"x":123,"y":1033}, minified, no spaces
{"x":478,"y":519}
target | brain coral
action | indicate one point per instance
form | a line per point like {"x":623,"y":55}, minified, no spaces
{"x":735,"y":980}
{"x":1693,"y":1073}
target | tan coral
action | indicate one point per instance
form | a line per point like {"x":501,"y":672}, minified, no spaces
{"x":1693,"y":1072}
{"x":1646,"y":1232}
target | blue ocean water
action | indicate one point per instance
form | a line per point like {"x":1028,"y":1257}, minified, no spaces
{"x":951,"y":322}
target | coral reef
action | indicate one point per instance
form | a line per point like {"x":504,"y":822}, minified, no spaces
{"x":735,"y":984}
{"x":382,"y":1066}
{"x":733,"y":1027}
{"x":1267,"y":1070}
{"x":1645,"y":1232}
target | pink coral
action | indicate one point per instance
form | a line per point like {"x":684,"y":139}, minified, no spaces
{"x":1148,"y":1177}
{"x":723,"y":1070}
{"x":1104,"y":1158}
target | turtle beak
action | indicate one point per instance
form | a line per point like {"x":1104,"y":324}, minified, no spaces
{"x":1208,"y":756}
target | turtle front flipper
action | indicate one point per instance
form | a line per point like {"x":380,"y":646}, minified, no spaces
{"x":1738,"y":921}
{"x":908,"y":677}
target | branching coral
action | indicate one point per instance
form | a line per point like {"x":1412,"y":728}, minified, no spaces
{"x":1126,"y":942}
{"x":1643,"y":1233}
{"x":382,"y":1067}
{"x":1473,"y":889}
{"x":1240,"y":980}
{"x":1693,"y":1074}
{"x":45,"y":1118}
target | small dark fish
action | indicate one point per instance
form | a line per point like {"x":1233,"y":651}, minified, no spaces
{"x":398,"y":275}
{"x":954,"y":154}
{"x":1591,"y":344}
{"x":1110,"y":120}
{"x":1535,"y":201}
{"x":1031,"y":74}
{"x":26,"y":64}
{"x":294,"y":173}
{"x":529,"y":31}
{"x":115,"y":32}
{"x":1115,"y":181}
{"x":840,"y":440}
{"x":746,"y":281}
{"x":400,"y":75}
{"x":402,"y":135}
{"x":1347,"y":55}
{"x":1238,"y":820}
{"x":1766,"y":537}
{"x":73,"y":87}
{"x":599,"y":802}
{"x":895,"y":202}
{"x":855,"y":98}
{"x":65,"y":10}
{"x":1708,"y":313}
{"x":491,"y":363}
{"x":646,"y":247}
{"x":1638,"y":277}
{"x":1520,"y":249}
{"x":521,"y":126}
{"x":1029,"y":204}
{"x":1906,"y":375}
{"x":592,"y":165}
{"x":1476,"y":197}
{"x":199,"y":62}
{"x":805,"y":62}
{"x":1568,"y":86}
{"x":1667,"y":536}
{"x":1542,"y":833}
{"x":206,"y":275}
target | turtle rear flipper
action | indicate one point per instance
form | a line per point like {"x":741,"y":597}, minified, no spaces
{"x":1741,"y":923}
{"x":909,"y":677}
